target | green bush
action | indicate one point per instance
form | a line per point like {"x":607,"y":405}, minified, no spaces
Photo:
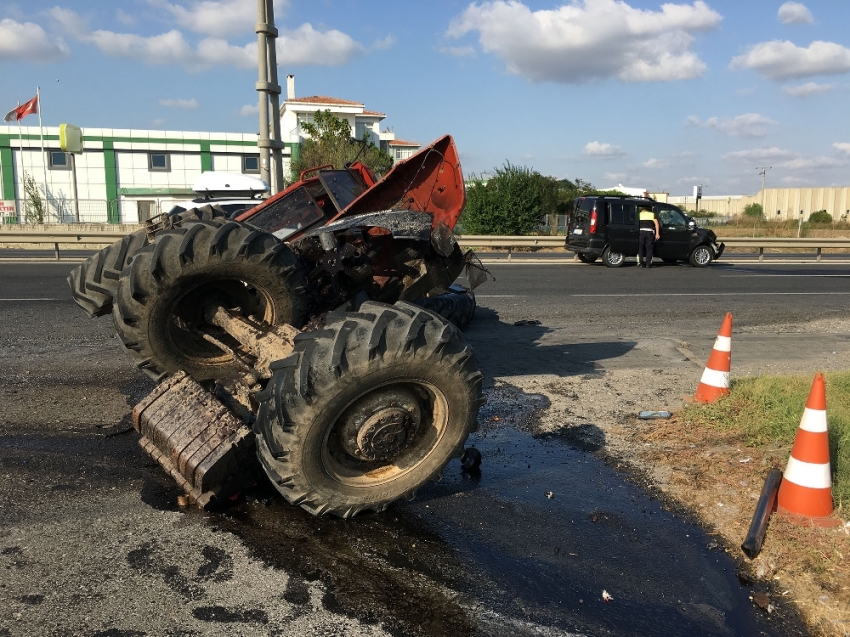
{"x":754,"y":210}
{"x":513,"y":201}
{"x":821,"y":216}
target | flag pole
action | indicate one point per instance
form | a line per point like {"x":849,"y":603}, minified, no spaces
{"x":22,"y":211}
{"x":41,"y":134}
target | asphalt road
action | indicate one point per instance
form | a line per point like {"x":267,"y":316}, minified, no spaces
{"x":92,"y":543}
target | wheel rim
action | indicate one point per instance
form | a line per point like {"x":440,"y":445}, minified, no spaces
{"x":702,"y":256}
{"x":615,"y":258}
{"x":187,"y":325}
{"x":384,"y":433}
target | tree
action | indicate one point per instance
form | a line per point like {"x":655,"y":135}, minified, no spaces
{"x":511,"y":202}
{"x":330,"y":142}
{"x":34,"y":211}
{"x":754,"y":210}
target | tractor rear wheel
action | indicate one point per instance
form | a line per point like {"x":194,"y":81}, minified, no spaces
{"x":93,"y":283}
{"x":163,"y":295}
{"x":368,"y":409}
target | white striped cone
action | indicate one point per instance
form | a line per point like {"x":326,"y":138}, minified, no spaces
{"x":806,"y":489}
{"x":715,"y":378}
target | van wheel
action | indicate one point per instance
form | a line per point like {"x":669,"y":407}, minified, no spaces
{"x":701,"y":256}
{"x":613,"y":259}
{"x":586,"y":258}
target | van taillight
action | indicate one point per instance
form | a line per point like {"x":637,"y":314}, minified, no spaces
{"x":593,"y":222}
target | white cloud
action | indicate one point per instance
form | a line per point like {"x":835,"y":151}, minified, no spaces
{"x":615,"y":176}
{"x":781,"y":60}
{"x":794,"y":13}
{"x":812,"y":163}
{"x":29,"y":42}
{"x":384,"y":43}
{"x":302,"y":46}
{"x":694,"y":181}
{"x":459,"y":51}
{"x":792,"y":180}
{"x":652,"y":162}
{"x":807,"y":89}
{"x":746,"y":125}
{"x":158,"y":123}
{"x":760,"y":154}
{"x":188,"y":105}
{"x":220,"y":18}
{"x":844,"y":147}
{"x":307,"y":46}
{"x":597,"y":149}
{"x":590,"y":39}
{"x":124,"y":18}
{"x":249,"y":110}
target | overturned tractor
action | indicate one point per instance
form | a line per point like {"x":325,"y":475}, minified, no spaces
{"x":315,"y":332}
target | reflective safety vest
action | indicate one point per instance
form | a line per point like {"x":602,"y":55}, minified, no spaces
{"x":646,"y":218}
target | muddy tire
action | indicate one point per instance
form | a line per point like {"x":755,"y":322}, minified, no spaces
{"x":368,"y":409}
{"x":93,"y":283}
{"x":457,"y":306}
{"x":586,"y":258}
{"x":162,"y":295}
{"x":613,"y":259}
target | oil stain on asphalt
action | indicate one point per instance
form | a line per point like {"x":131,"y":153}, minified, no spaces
{"x":525,"y":547}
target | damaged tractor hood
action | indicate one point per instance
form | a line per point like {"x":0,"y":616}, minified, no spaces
{"x":429,"y":181}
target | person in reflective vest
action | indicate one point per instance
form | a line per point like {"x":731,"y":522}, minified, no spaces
{"x":650,"y":230}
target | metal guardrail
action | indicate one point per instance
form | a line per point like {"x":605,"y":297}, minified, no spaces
{"x":467,"y":241}
{"x":818,"y":243}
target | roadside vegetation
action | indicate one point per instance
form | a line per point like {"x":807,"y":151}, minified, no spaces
{"x":330,"y":142}
{"x":766,"y":411}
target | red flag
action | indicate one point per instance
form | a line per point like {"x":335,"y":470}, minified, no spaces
{"x":22,"y":111}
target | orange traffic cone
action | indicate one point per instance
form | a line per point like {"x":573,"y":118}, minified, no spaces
{"x":805,"y":494}
{"x":715,"y":379}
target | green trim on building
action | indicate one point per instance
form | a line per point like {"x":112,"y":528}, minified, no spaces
{"x":7,"y":168}
{"x":113,"y":214}
{"x":206,"y":157}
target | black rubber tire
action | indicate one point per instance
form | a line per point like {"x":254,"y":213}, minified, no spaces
{"x":456,"y":306}
{"x":93,"y":283}
{"x":356,"y":354}
{"x":162,"y":294}
{"x":586,"y":258}
{"x":613,"y":259}
{"x":701,"y":256}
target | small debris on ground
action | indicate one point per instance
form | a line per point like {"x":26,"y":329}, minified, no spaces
{"x":762,"y":600}
{"x":527,"y":322}
{"x":649,"y":415}
{"x":606,"y":596}
{"x":549,"y":494}
{"x":471,"y":459}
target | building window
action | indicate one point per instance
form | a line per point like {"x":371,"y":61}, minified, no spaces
{"x":250,"y":163}
{"x":147,"y":209}
{"x":403,"y":153}
{"x":159,"y":161}
{"x":58,"y":160}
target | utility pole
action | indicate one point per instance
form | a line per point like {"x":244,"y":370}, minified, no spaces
{"x":763,"y":172}
{"x":269,"y":141}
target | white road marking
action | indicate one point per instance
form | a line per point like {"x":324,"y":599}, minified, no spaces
{"x":653,"y":294}
{"x":31,"y":299}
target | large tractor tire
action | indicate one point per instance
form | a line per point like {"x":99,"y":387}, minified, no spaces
{"x":457,"y":306}
{"x":164,"y":293}
{"x":93,"y":283}
{"x":368,"y":409}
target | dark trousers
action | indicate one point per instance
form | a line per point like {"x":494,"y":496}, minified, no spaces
{"x":646,"y":244}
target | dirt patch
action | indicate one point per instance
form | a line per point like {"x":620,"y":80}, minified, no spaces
{"x":712,"y":475}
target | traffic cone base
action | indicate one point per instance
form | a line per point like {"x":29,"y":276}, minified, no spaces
{"x":714,"y":382}
{"x":805,"y":495}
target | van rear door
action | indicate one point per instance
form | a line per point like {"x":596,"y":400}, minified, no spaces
{"x":623,"y":227}
{"x":578,"y":231}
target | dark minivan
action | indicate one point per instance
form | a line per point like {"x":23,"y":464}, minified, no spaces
{"x":607,"y":226}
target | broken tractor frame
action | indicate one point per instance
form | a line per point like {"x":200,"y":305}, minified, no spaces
{"x":314,"y":338}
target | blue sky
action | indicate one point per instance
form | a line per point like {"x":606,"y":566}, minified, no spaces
{"x":662,"y":96}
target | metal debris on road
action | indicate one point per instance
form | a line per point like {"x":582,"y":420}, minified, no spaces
{"x":649,"y":415}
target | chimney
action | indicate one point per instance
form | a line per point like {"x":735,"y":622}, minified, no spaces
{"x":290,"y":87}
